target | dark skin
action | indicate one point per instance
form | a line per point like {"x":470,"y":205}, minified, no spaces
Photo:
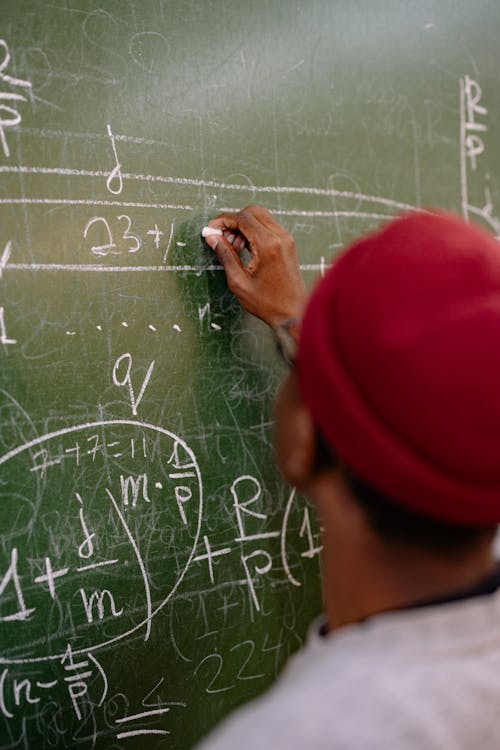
{"x":271,"y":285}
{"x":362,"y":575}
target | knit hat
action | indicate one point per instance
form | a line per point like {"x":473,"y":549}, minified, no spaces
{"x":399,"y":364}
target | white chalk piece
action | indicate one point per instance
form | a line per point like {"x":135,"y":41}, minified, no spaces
{"x":209,"y":231}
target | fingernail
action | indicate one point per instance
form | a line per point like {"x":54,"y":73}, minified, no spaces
{"x":212,"y":241}
{"x":231,"y":238}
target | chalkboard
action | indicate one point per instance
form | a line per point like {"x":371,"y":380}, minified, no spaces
{"x":155,"y":572}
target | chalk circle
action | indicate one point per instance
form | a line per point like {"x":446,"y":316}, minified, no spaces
{"x":117,"y":504}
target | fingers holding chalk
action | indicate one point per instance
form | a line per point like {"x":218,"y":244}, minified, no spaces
{"x":211,"y":231}
{"x":211,"y":235}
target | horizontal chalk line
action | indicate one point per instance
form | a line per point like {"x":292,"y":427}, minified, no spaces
{"x":137,"y":732}
{"x":194,"y":182}
{"x":95,"y":268}
{"x":91,"y":202}
{"x":91,"y":566}
{"x":327,"y":214}
{"x":177,"y":207}
{"x":104,"y":269}
{"x":143,"y":715}
{"x":47,"y":133}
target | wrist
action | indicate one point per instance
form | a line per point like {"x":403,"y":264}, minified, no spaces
{"x":286,"y":336}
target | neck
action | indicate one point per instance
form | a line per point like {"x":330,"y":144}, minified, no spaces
{"x":392,"y":581}
{"x":364,"y":576}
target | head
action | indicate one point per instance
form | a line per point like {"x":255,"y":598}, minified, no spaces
{"x":308,"y":462}
{"x":393,"y":409}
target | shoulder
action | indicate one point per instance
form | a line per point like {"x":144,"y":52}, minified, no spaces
{"x":317,"y":702}
{"x":419,"y":679}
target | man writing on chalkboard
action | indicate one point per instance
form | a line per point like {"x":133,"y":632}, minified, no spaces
{"x":390,"y":422}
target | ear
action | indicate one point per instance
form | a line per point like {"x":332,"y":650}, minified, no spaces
{"x":295,"y":436}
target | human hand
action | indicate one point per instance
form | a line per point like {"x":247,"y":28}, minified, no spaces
{"x":270,"y":286}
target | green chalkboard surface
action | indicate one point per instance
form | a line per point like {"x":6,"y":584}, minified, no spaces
{"x":155,"y":572}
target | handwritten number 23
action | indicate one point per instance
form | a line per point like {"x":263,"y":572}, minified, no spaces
{"x":109,"y":247}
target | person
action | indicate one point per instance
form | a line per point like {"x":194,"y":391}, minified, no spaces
{"x":389,"y":421}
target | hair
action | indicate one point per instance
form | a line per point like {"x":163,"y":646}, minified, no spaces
{"x":398,"y":525}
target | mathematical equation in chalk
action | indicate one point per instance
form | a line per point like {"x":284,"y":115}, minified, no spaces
{"x":93,"y":508}
{"x":10,"y":115}
{"x":76,"y":675}
{"x":99,"y":543}
{"x":473,"y":129}
{"x":112,"y":526}
{"x":85,"y":683}
{"x":121,"y":239}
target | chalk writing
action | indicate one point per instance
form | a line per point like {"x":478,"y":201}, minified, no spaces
{"x":131,"y":487}
{"x":50,"y":576}
{"x":210,"y":556}
{"x":97,"y":601}
{"x":11,"y":576}
{"x":110,"y":247}
{"x":115,"y":176}
{"x":103,"y":601}
{"x":306,"y":530}
{"x":20,"y":691}
{"x":125,"y":379}
{"x":86,"y":548}
{"x":4,"y":258}
{"x":473,"y":129}
{"x":156,"y":234}
{"x":9,"y":116}
{"x":4,"y":338}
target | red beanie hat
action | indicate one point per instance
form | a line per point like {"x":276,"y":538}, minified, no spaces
{"x":399,"y":364}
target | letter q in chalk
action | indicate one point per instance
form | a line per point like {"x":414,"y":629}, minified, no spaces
{"x":210,"y":232}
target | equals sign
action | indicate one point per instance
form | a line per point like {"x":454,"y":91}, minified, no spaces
{"x":143,"y":715}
